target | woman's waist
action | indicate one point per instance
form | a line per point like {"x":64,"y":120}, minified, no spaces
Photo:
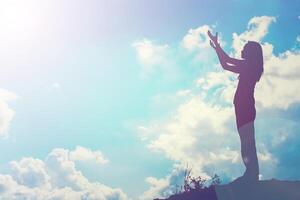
{"x":243,"y":99}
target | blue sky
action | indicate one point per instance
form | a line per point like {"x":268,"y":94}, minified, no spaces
{"x":122,"y":78}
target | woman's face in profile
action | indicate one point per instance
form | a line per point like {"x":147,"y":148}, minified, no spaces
{"x":243,"y":52}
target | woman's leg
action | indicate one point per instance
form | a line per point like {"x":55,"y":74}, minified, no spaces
{"x":248,"y":150}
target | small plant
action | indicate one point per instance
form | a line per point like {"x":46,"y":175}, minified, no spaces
{"x":192,"y":183}
{"x":197,"y":183}
{"x":195,"y":187}
{"x":215,"y":180}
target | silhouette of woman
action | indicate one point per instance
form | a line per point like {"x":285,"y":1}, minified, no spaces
{"x":250,"y":70}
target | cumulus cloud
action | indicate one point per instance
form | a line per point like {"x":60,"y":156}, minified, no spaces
{"x":164,"y":187}
{"x":257,"y":29}
{"x":6,"y":113}
{"x":163,"y":61}
{"x":281,"y":80}
{"x":150,"y":55}
{"x":56,"y":178}
{"x":220,"y":85}
{"x":196,"y":42}
{"x":196,"y":38}
{"x":30,"y":172}
{"x":86,"y":155}
{"x":157,"y":59}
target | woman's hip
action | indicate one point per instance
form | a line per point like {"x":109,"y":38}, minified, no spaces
{"x":244,"y":114}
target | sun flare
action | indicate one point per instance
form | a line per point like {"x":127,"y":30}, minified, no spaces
{"x":19,"y":20}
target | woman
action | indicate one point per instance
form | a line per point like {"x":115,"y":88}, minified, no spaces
{"x":250,"y":70}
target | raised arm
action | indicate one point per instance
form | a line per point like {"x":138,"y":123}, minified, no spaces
{"x":228,"y":59}
{"x":228,"y":63}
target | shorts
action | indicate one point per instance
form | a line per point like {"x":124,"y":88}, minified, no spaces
{"x":244,"y":114}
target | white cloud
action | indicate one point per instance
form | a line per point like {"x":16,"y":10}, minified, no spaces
{"x":157,"y":60}
{"x":196,"y":38}
{"x":279,"y":85}
{"x":55,"y":178}
{"x":30,"y":172}
{"x":281,"y":79}
{"x":257,"y":28}
{"x":150,"y":55}
{"x":197,"y":134}
{"x":86,"y":155}
{"x":224,"y":82}
{"x":164,"y":187}
{"x":10,"y":189}
{"x":157,"y":188}
{"x":196,"y":42}
{"x":6,"y":113}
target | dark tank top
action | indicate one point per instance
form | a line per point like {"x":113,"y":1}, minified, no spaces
{"x":244,"y":94}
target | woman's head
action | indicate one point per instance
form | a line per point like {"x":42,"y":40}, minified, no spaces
{"x":253,"y":55}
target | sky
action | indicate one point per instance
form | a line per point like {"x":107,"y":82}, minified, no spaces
{"x":114,"y":99}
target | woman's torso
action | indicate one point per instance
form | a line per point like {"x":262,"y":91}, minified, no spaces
{"x":244,"y":94}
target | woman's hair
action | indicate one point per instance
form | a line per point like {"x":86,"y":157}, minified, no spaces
{"x":254,"y":57}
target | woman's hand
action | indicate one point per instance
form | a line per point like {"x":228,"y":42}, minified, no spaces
{"x":213,"y":40}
